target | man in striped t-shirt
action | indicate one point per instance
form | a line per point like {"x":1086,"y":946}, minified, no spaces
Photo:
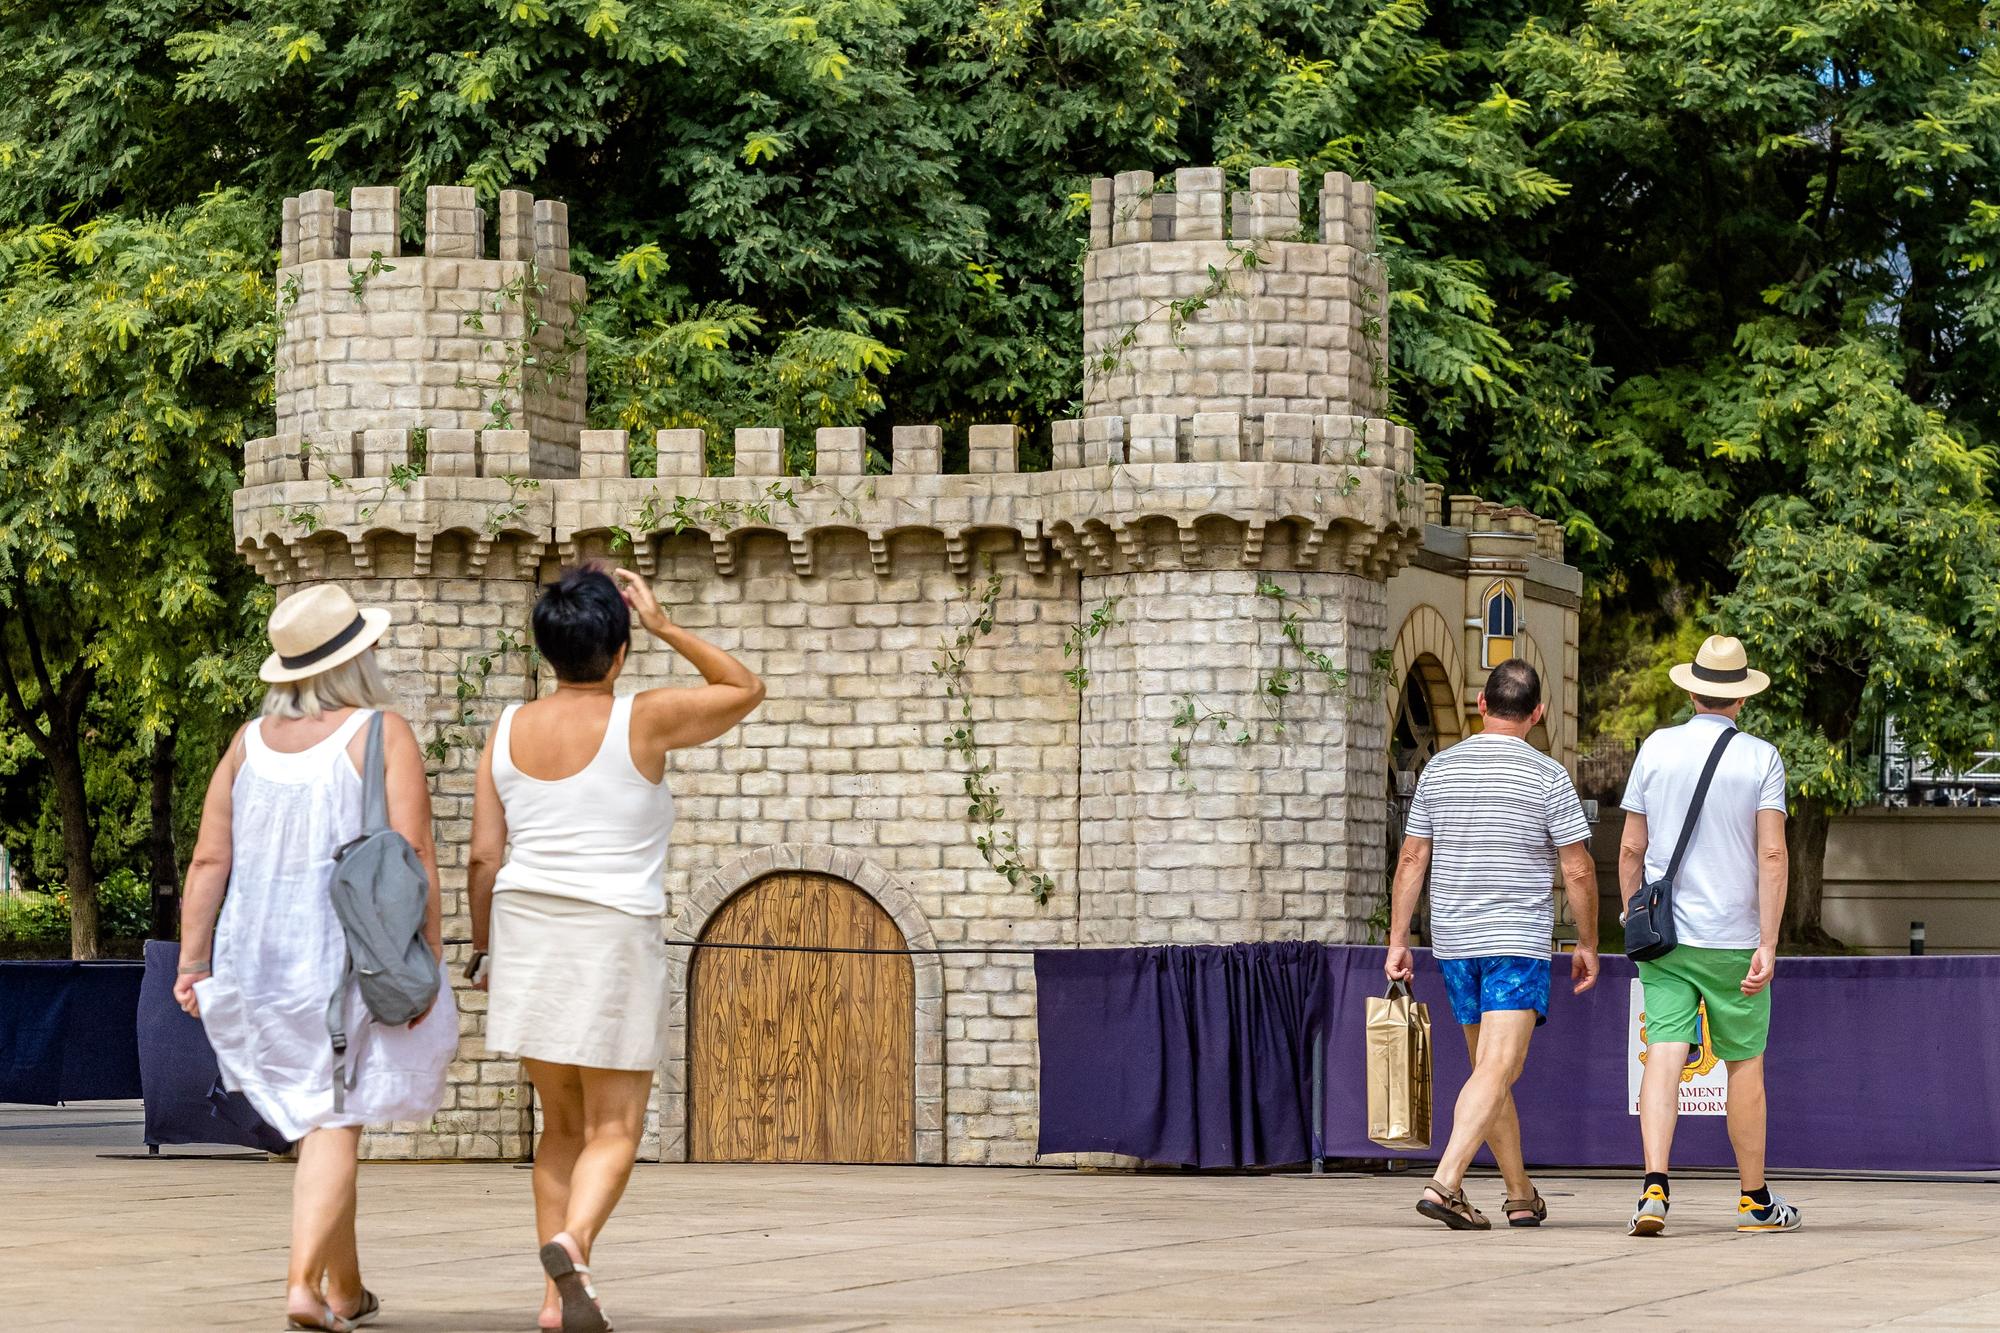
{"x":1492,"y":819}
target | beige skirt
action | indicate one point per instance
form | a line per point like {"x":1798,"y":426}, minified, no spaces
{"x":573,"y":983}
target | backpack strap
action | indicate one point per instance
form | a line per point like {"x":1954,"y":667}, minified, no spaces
{"x":336,"y":1031}
{"x":374,"y":781}
{"x":374,"y":819}
{"x":1700,"y":798}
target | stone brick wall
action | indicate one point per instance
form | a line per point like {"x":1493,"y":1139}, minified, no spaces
{"x":845,"y":756}
{"x":1282,"y":851}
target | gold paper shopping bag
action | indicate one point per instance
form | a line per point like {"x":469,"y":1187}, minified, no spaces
{"x":1399,"y":1069}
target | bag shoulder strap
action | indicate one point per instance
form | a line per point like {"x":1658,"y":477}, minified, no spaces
{"x":336,"y":1031}
{"x":374,"y":780}
{"x":1700,"y":798}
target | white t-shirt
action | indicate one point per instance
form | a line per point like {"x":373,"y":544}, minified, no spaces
{"x":1715,"y":893}
{"x":1496,"y":810}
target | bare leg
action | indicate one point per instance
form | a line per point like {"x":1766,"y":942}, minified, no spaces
{"x":1503,"y":1139}
{"x":559,"y":1094}
{"x":1746,"y":1120}
{"x":1499,"y":1046}
{"x":343,"y":1259}
{"x":1660,"y":1101}
{"x":323,"y":1247}
{"x":614,"y":1113}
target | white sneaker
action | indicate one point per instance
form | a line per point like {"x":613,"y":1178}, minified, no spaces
{"x":1780,"y":1216}
{"x":1650,"y":1217}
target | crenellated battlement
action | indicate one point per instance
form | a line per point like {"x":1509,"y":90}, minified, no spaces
{"x":1202,"y":300}
{"x":316,"y":228}
{"x":385,"y":452}
{"x":1134,"y":207}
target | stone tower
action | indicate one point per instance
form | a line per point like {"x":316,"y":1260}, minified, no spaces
{"x":424,"y":402}
{"x":1237,"y":495}
{"x":1148,"y":682}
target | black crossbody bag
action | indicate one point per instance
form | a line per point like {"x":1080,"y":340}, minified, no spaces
{"x":1649,"y":918}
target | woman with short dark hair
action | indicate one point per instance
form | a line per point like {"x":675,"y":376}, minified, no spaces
{"x":573,"y":788}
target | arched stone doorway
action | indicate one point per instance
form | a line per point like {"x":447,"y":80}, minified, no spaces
{"x":1426,"y":719}
{"x":797,"y":1056}
{"x":1424,"y":714}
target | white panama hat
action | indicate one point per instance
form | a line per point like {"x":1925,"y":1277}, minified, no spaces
{"x":1719,"y":671}
{"x":315,"y":630}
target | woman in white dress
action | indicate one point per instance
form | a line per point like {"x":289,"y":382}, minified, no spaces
{"x":261,"y":948}
{"x":573,"y":788}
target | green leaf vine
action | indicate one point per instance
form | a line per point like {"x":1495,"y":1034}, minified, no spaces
{"x":522,"y":366}
{"x":998,"y":845}
{"x":1242,"y":258}
{"x":1192,"y":714}
{"x":658,"y":513}
{"x":357,"y":278}
{"x":460,"y":731}
{"x":1101,"y":618}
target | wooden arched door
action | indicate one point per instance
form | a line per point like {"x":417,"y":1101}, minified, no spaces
{"x":794,"y":1056}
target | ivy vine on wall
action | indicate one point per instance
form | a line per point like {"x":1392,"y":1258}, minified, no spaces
{"x":997,"y":843}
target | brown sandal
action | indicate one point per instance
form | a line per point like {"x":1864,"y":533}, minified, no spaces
{"x":1455,"y":1212}
{"x":1537,"y":1208}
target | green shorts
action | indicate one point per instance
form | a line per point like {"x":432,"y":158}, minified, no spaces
{"x":1689,"y":978}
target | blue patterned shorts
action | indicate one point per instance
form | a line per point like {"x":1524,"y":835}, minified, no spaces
{"x":1481,"y":985}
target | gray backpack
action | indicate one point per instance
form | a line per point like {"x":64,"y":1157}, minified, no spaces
{"x":382,"y":897}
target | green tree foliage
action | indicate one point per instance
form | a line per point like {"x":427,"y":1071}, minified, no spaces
{"x":1638,"y":248}
{"x":133,"y":354}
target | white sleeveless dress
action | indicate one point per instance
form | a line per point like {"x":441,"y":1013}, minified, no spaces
{"x":578,"y":974}
{"x":279,"y":952}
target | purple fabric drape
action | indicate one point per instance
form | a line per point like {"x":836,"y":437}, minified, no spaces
{"x":66,"y":1032}
{"x":185,"y":1101}
{"x":1197,"y":1055}
{"x":1201,"y":1056}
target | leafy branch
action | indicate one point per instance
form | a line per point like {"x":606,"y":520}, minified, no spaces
{"x":1274,"y":687}
{"x":498,"y":517}
{"x":999,"y":846}
{"x":401,"y":475}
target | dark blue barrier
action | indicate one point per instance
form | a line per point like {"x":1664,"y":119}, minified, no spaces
{"x":185,"y":1102}
{"x":67,"y":1032}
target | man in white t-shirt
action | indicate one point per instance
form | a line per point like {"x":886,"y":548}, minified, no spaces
{"x":1729,"y":898}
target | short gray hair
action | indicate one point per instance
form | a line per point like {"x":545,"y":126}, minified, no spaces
{"x":355,"y":683}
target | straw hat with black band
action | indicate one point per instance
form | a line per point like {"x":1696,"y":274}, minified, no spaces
{"x":1719,"y":671}
{"x":315,"y":630}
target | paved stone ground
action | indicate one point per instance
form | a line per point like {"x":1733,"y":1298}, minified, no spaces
{"x":95,"y":1243}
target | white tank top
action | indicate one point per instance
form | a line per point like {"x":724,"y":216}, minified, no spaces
{"x":600,"y":834}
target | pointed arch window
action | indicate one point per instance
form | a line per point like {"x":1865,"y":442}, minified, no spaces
{"x":1501,"y":624}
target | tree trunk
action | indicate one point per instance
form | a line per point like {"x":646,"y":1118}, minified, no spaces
{"x":1805,"y":847}
{"x":166,"y":868}
{"x":66,"y":771}
{"x":53,"y":723}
